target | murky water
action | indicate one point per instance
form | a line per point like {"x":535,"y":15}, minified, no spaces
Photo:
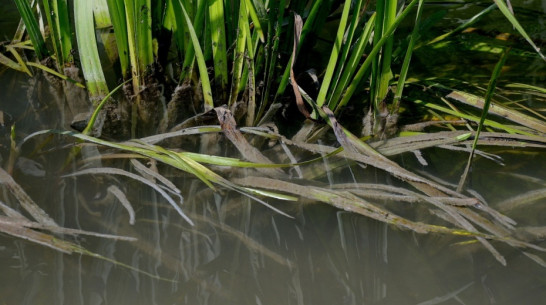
{"x":239,"y":252}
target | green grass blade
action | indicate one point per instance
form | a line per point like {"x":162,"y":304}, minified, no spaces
{"x":95,"y":114}
{"x":218,"y":37}
{"x":13,"y":65}
{"x":143,"y":32}
{"x":205,"y":82}
{"x":347,"y":46}
{"x":276,"y":13}
{"x":20,"y":65}
{"x":172,"y":23}
{"x":255,"y":19}
{"x":373,"y":53}
{"x":53,"y":72}
{"x":54,"y":32}
{"x":100,"y":12}
{"x":87,"y":47}
{"x":407,"y":59}
{"x":352,"y":64}
{"x":60,"y":10}
{"x":499,"y":110}
{"x":198,"y":23}
{"x":119,"y":22}
{"x":464,"y":25}
{"x":488,"y":95}
{"x":378,"y":34}
{"x":385,"y":74}
{"x":31,"y":23}
{"x":239,"y":54}
{"x":334,"y":54}
{"x":504,"y":9}
{"x":489,"y":123}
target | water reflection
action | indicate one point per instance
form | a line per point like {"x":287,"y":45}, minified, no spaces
{"x":240,"y":252}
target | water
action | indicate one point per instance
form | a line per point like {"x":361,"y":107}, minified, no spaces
{"x":240,"y":252}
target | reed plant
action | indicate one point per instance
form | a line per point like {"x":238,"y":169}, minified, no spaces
{"x":189,"y":60}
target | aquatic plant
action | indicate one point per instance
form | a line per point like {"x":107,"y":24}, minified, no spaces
{"x":201,"y":55}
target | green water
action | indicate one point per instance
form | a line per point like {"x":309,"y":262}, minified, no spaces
{"x":239,"y":252}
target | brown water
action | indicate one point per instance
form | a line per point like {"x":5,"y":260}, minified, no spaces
{"x":239,"y":252}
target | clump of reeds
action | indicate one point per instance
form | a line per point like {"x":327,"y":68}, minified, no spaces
{"x":193,"y":57}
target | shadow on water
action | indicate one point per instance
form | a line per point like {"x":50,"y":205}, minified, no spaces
{"x":239,"y":252}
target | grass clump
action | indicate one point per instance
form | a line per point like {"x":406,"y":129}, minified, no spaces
{"x":207,"y":66}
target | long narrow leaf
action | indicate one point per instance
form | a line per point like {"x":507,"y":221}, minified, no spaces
{"x":239,"y":54}
{"x":205,"y":82}
{"x":87,"y":47}
{"x":352,"y":64}
{"x":218,"y":36}
{"x":407,"y":58}
{"x":119,"y":23}
{"x":60,"y":10}
{"x":504,"y":9}
{"x":325,"y":86}
{"x":485,"y":110}
{"x":31,"y":23}
{"x":373,"y":53}
{"x":54,"y":32}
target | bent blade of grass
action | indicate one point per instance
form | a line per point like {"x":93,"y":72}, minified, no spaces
{"x":203,"y":73}
{"x":464,"y":25}
{"x":176,"y":160}
{"x":346,"y":202}
{"x":25,"y":201}
{"x":309,"y":21}
{"x":522,"y":200}
{"x":143,"y":170}
{"x":117,"y":171}
{"x":527,"y":86}
{"x":95,"y":114}
{"x":19,"y":65}
{"x":496,"y":109}
{"x":489,"y":123}
{"x":114,"y":190}
{"x":229,"y":127}
{"x":488,"y":95}
{"x":510,"y":16}
{"x":59,"y":230}
{"x":53,"y":72}
{"x":208,"y":174}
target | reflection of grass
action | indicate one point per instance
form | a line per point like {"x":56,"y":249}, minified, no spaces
{"x":264,"y":45}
